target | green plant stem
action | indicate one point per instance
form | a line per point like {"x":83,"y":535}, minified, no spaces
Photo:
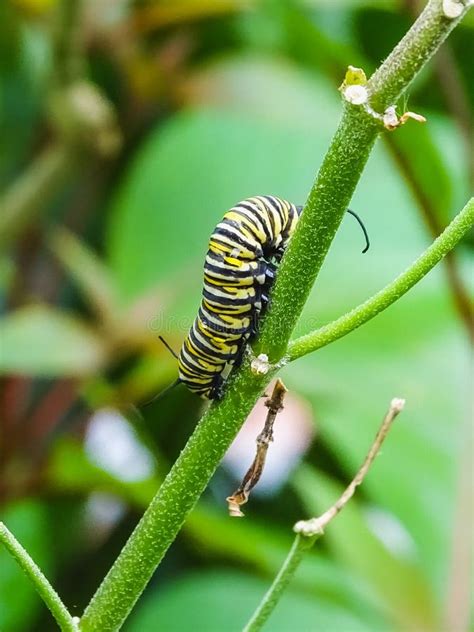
{"x":326,"y":205}
{"x":338,"y":177}
{"x":176,"y":497}
{"x":32,"y":191}
{"x":391,"y":292}
{"x":44,"y":588}
{"x":190,"y":474}
{"x":428,"y":32}
{"x":301,"y":544}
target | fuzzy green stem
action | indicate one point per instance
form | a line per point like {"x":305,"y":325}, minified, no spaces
{"x":300,"y":546}
{"x":420,"y":43}
{"x":44,"y":588}
{"x":326,"y":205}
{"x":190,"y":474}
{"x":339,"y":174}
{"x":176,"y":497}
{"x":390,"y":293}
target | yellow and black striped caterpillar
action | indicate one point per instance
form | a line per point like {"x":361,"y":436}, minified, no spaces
{"x":243,"y":255}
{"x":244,"y":251}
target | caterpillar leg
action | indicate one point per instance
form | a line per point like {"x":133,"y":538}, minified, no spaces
{"x":262,"y":298}
{"x":241,"y":352}
{"x":217,"y":388}
{"x":270,"y":274}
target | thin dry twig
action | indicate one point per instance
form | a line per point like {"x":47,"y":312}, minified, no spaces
{"x":241,"y":495}
{"x":316,"y":526}
{"x":308,"y":531}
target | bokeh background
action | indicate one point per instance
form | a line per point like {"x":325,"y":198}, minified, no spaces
{"x":127,"y":129}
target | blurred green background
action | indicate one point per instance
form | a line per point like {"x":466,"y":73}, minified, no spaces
{"x":126,"y":130}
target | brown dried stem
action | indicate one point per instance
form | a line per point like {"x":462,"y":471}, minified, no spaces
{"x":308,"y":531}
{"x":316,"y":526}
{"x":251,"y":478}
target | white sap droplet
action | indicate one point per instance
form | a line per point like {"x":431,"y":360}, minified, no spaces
{"x":260,"y":365}
{"x":452,"y":8}
{"x":390,"y":118}
{"x":356,"y":94}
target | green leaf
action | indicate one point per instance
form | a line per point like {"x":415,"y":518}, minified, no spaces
{"x":19,"y":601}
{"x":39,"y":340}
{"x":259,"y":86}
{"x":398,"y":582}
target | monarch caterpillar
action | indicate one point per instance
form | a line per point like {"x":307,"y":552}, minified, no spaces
{"x":244,"y":252}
